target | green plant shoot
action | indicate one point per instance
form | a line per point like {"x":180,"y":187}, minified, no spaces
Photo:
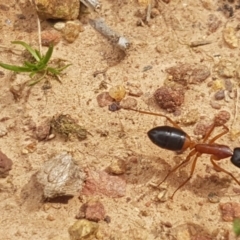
{"x":236,"y":226}
{"x":38,"y":66}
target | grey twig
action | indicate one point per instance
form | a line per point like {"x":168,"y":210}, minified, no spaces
{"x":92,"y":4}
{"x":115,"y":38}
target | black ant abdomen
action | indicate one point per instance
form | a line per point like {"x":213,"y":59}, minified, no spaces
{"x":235,"y":159}
{"x":168,"y":137}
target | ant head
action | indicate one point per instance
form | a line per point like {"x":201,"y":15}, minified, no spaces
{"x":235,"y":159}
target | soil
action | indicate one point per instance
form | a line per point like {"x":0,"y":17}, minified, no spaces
{"x":168,"y":39}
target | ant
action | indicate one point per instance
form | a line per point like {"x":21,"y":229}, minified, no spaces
{"x":175,"y":139}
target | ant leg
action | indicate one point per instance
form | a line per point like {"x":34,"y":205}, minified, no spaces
{"x":188,"y":158}
{"x":159,"y":115}
{"x":225,"y":131}
{"x":218,"y":168}
{"x":155,"y":114}
{"x":190,"y":176}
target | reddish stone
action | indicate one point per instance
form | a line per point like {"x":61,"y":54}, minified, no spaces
{"x":230,"y":211}
{"x":101,"y":183}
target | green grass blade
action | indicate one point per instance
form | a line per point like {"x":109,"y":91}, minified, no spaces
{"x":15,"y":68}
{"x":31,"y":65}
{"x":32,"y":74}
{"x":236,"y":226}
{"x":32,"y":51}
{"x":48,"y":55}
{"x":38,"y":53}
{"x":54,"y":71}
{"x":33,"y":82}
{"x":64,"y":67}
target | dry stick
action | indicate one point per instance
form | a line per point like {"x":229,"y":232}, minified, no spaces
{"x":149,"y":8}
{"x":115,"y":38}
{"x":236,"y":108}
{"x":39,"y":35}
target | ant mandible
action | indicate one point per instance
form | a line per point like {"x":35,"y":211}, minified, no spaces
{"x":175,"y":139}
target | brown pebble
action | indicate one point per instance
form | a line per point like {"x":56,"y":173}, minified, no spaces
{"x":4,"y":7}
{"x":169,"y":98}
{"x":219,"y":95}
{"x":222,"y":118}
{"x":95,"y":211}
{"x":50,"y":217}
{"x":135,"y":91}
{"x":167,"y":224}
{"x":215,"y":104}
{"x":213,"y":197}
{"x":43,"y":131}
{"x":117,"y":167}
{"x":200,"y":129}
{"x":101,"y":183}
{"x":104,"y":99}
{"x":5,"y":165}
{"x":155,"y":12}
{"x":50,"y":37}
{"x":228,"y":84}
{"x":230,"y":210}
{"x":185,"y":73}
{"x":107,"y":219}
{"x":128,"y":103}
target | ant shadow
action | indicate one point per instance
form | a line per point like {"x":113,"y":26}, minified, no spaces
{"x":148,"y":170}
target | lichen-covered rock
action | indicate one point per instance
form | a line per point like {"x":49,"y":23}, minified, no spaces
{"x":55,"y":9}
{"x":60,"y":176}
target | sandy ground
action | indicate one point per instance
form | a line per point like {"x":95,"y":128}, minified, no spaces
{"x":164,"y":43}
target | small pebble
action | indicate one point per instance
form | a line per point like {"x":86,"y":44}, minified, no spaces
{"x":117,"y":92}
{"x":215,"y":104}
{"x":24,"y":151}
{"x":219,"y":95}
{"x":104,"y":99}
{"x":228,"y":84}
{"x":117,"y":167}
{"x":72,"y":30}
{"x":3,"y":131}
{"x":42,"y":131}
{"x":169,"y":98}
{"x":5,"y":165}
{"x":50,"y":217}
{"x":213,"y":197}
{"x":230,"y":210}
{"x":163,"y":195}
{"x":128,"y":103}
{"x":222,"y":118}
{"x":50,"y":37}
{"x":59,"y":25}
{"x":200,"y":129}
{"x":190,"y":117}
{"x":107,"y":219}
{"x":2,"y":74}
{"x":115,"y":106}
{"x":95,"y":211}
{"x":82,"y":229}
{"x":135,"y":91}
